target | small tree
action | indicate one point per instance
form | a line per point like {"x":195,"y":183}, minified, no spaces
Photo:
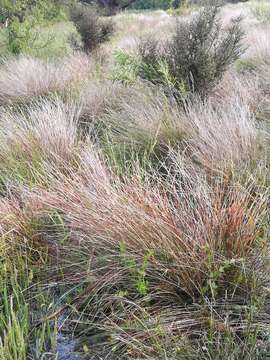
{"x":196,"y":57}
{"x":92,"y":29}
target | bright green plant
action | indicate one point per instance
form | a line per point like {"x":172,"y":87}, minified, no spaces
{"x":141,"y":283}
{"x":20,"y":35}
{"x":19,"y":337}
{"x":125,"y":68}
{"x":137,"y":270}
{"x":261,"y":11}
{"x":23,"y":18}
{"x":20,"y":9}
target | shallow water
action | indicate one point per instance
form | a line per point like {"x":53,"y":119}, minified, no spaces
{"x":65,"y":349}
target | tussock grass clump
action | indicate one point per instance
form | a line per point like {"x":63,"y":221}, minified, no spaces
{"x":162,"y":247}
{"x":226,"y":135}
{"x":47,"y":132}
{"x":98,"y":98}
{"x":24,"y":78}
{"x":143,"y":126}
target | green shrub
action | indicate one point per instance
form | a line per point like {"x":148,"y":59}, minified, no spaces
{"x":25,"y":35}
{"x":125,"y":68}
{"x":180,"y":8}
{"x":151,"y":4}
{"x":53,"y":10}
{"x":175,"y":3}
{"x":93,"y":29}
{"x":196,"y":57}
{"x":25,"y":19}
{"x":261,"y":11}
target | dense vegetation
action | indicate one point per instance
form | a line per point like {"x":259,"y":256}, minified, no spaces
{"x":134,"y":181}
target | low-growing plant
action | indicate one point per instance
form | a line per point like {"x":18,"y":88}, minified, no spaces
{"x":244,"y":66}
{"x":125,"y":68}
{"x":25,"y":78}
{"x":136,"y":224}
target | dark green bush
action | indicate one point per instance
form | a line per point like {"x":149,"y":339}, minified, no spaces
{"x":151,"y":4}
{"x":93,"y":29}
{"x":197,"y":55}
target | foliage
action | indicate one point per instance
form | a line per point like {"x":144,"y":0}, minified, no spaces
{"x":261,"y":10}
{"x":109,"y":7}
{"x":180,"y":8}
{"x":196,"y":57}
{"x":20,"y":338}
{"x":244,"y":66}
{"x":93,"y":29}
{"x":151,"y":4}
{"x":126,"y":67}
{"x":175,"y":4}
{"x":20,"y":9}
{"x":23,"y":18}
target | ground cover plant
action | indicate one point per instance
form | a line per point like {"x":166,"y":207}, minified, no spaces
{"x":134,"y":183}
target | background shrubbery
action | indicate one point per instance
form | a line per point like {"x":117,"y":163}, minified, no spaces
{"x":32,"y":27}
{"x":150,"y":4}
{"x":93,"y":29}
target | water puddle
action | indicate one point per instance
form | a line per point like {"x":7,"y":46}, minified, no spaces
{"x":67,"y":346}
{"x":65,"y":349}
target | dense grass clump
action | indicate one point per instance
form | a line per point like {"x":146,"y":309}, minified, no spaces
{"x":25,"y":78}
